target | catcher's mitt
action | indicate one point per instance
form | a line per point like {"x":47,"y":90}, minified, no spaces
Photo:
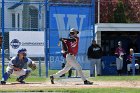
{"x":32,"y":66}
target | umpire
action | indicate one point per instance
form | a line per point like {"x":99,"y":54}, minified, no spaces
{"x":94,"y":55}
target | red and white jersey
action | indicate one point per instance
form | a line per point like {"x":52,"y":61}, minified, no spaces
{"x":73,"y":46}
{"x":119,"y":51}
{"x":129,"y":57}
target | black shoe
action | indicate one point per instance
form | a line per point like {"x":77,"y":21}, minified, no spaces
{"x":86,"y":82}
{"x":91,"y":75}
{"x":69,"y":76}
{"x":21,"y":81}
{"x":62,"y":75}
{"x":129,"y":73}
{"x":2,"y":82}
{"x":52,"y":79}
{"x":98,"y":75}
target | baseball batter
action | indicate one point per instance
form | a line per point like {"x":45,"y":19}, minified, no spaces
{"x":16,"y":66}
{"x":72,"y":49}
{"x":119,"y":52}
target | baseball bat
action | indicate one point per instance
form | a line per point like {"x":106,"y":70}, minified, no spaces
{"x":59,"y":43}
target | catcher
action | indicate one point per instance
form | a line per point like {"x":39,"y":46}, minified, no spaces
{"x":16,"y":66}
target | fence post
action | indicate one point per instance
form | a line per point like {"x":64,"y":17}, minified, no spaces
{"x":2,"y":37}
{"x":133,"y":64}
{"x":39,"y":66}
{"x":46,"y":32}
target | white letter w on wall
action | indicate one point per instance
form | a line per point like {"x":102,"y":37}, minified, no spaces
{"x":67,"y":21}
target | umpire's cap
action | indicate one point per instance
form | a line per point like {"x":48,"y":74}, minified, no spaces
{"x":22,"y":50}
{"x":74,"y":30}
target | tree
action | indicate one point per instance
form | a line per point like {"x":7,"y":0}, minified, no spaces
{"x":119,"y":14}
{"x":132,"y":11}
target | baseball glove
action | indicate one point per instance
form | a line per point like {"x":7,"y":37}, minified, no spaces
{"x":32,"y":66}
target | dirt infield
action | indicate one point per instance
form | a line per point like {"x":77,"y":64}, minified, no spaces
{"x":71,"y":83}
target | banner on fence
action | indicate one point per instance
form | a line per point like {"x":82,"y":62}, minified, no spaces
{"x":33,"y":41}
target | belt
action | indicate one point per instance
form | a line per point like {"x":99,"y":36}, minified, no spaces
{"x":70,"y":53}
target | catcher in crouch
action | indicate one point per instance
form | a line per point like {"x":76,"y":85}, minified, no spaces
{"x":16,"y":66}
{"x":70,"y":49}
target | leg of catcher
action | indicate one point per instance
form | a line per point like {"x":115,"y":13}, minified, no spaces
{"x":21,"y":78}
{"x":5,"y":78}
{"x":6,"y":75}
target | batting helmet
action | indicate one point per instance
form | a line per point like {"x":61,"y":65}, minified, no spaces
{"x":72,"y":30}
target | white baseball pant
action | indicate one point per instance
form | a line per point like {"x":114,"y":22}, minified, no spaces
{"x":129,"y":66}
{"x":17,"y":73}
{"x":71,"y":62}
{"x":119,"y":63}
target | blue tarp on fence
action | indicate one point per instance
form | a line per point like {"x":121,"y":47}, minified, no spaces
{"x":62,"y":19}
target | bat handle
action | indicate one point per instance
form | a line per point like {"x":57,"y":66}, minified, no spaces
{"x":59,"y":43}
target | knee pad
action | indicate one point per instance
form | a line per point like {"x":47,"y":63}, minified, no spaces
{"x":9,"y":71}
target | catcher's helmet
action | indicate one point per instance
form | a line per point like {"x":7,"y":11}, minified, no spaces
{"x":22,"y":50}
{"x":72,"y":30}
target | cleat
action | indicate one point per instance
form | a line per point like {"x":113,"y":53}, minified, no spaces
{"x":52,"y":79}
{"x":86,"y":82}
{"x":2,"y":82}
{"x":22,"y":82}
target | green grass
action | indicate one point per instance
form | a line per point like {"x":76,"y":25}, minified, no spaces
{"x":78,"y":90}
{"x":34,"y":77}
{"x":116,"y":78}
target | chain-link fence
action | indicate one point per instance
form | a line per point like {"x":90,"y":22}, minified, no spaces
{"x":22,"y":15}
{"x":29,"y":15}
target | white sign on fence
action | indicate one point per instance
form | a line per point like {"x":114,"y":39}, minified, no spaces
{"x":33,"y":41}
